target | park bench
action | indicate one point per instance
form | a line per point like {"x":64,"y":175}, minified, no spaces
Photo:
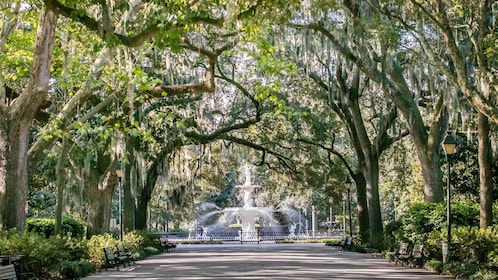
{"x":122,"y":253}
{"x":346,"y":244}
{"x":166,"y":245}
{"x":112,"y":260}
{"x":8,"y":272}
{"x":401,"y":255}
{"x":417,"y":256}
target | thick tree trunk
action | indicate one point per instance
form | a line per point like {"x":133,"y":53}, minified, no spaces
{"x":485,"y":172}
{"x":431,"y":174}
{"x":99,"y":200}
{"x":363,"y":216}
{"x":131,"y":179}
{"x":374,"y":213}
{"x":14,"y":128}
{"x":14,"y":175}
{"x":141,"y":214}
{"x":144,"y":198}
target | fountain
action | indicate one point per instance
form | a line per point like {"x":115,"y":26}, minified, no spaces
{"x":248,"y":220}
{"x":249,"y":216}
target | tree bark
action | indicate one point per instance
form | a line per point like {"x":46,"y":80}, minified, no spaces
{"x":16,"y":122}
{"x":485,"y":172}
{"x":144,"y":197}
{"x":99,"y":200}
{"x":363,"y":216}
{"x":61,"y":180}
{"x":131,"y":178}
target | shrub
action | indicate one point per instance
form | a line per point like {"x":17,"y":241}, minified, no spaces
{"x":484,"y":275}
{"x":42,"y":255}
{"x":70,"y":225}
{"x":434,"y":265}
{"x":476,"y":246}
{"x":423,"y":218}
{"x":75,"y":269}
{"x":42,"y":226}
{"x":459,"y":270}
{"x":96,"y":246}
{"x":46,"y":226}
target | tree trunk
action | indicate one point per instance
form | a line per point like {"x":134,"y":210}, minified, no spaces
{"x":131,"y":179}
{"x":15,"y":125}
{"x":144,"y":198}
{"x":361,"y":196}
{"x":374,"y":213}
{"x":431,"y":174}
{"x":60,"y":174}
{"x":14,"y":173}
{"x":141,"y":213}
{"x":485,"y":172}
{"x":99,"y":200}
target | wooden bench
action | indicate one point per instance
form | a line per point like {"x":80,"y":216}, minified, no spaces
{"x":346,"y":244}
{"x":403,"y":255}
{"x":399,"y":254}
{"x":112,"y":260}
{"x":122,"y":253}
{"x":8,"y":272}
{"x":167,"y":246}
{"x":417,"y":256}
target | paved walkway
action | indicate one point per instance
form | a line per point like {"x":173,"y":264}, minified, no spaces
{"x":264,"y":261}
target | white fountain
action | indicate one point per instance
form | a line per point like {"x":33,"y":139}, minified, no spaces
{"x":248,"y":222}
{"x":249,"y":215}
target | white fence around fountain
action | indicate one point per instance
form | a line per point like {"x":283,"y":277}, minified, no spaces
{"x":248,"y":237}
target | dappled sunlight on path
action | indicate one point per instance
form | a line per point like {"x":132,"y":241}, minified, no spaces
{"x":264,"y":261}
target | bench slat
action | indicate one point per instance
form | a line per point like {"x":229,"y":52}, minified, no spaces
{"x":8,"y":272}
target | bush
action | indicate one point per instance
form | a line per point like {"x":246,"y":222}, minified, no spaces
{"x":96,"y":246}
{"x":424,"y":218}
{"x":42,"y":256}
{"x":139,"y":243}
{"x":75,"y":269}
{"x":478,"y":247}
{"x":459,"y":270}
{"x":434,"y":265}
{"x":484,"y":275}
{"x":46,"y":226}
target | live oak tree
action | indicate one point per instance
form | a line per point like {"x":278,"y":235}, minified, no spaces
{"x":459,"y":38}
{"x":142,"y":25}
{"x":19,"y":107}
{"x":382,"y":59}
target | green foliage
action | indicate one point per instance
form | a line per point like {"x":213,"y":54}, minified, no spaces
{"x":70,"y":225}
{"x":484,"y":274}
{"x":42,"y":226}
{"x":75,"y":269}
{"x":424,"y":218}
{"x":478,"y":247}
{"x":434,"y":265}
{"x":42,"y":255}
{"x":460,"y":270}
{"x":139,"y":243}
{"x":46,"y":226}
{"x":96,"y":246}
{"x":426,"y":223}
{"x":390,"y":231}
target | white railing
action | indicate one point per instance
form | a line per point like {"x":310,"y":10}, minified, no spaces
{"x":247,"y":237}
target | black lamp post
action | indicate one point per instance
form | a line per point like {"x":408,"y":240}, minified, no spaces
{"x":119,"y":173}
{"x":349,"y":183}
{"x":449,"y":148}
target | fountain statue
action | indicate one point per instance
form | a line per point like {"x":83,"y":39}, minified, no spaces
{"x":247,"y":219}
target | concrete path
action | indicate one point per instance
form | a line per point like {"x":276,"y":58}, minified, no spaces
{"x":264,"y":261}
